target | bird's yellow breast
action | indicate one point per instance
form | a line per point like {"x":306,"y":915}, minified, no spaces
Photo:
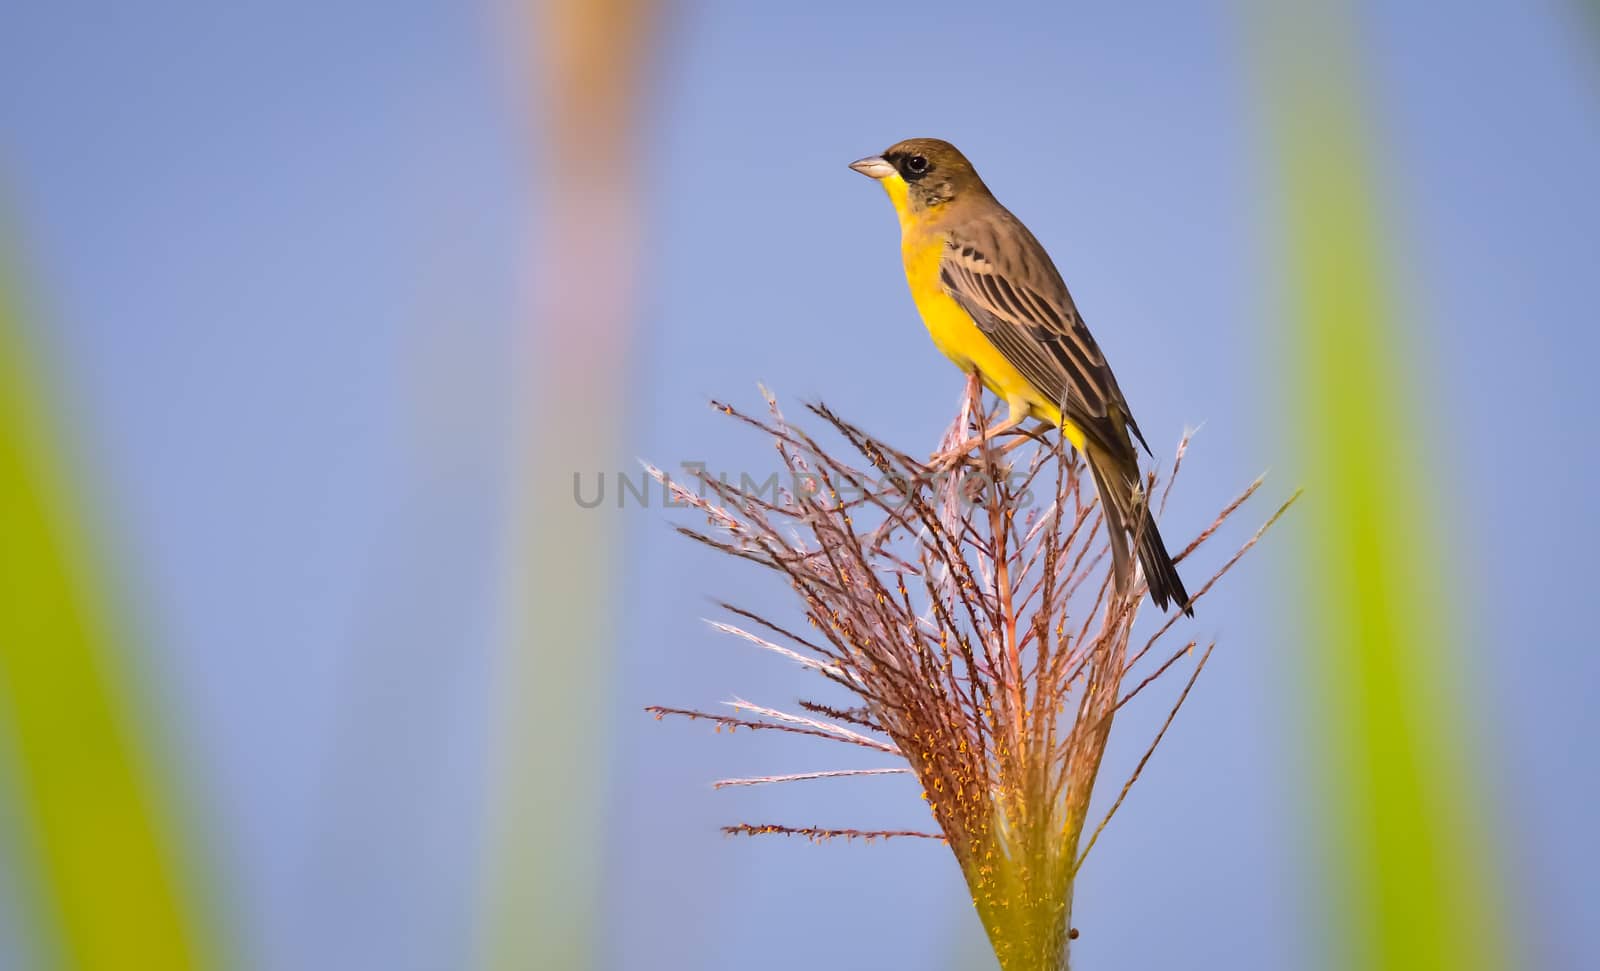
{"x":922,"y":246}
{"x":924,"y":238}
{"x":956,"y":335}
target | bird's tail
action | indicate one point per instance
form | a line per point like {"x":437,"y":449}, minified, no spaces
{"x":1126,"y":513}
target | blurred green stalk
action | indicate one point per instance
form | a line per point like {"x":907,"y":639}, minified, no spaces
{"x":101,"y":872}
{"x":1411,"y":864}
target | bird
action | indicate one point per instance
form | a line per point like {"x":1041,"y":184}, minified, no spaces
{"x":996,"y":305}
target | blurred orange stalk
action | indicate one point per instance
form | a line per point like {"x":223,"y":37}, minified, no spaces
{"x":545,"y":847}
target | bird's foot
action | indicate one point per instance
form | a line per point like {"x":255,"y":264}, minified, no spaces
{"x":951,"y":459}
{"x":961,"y":453}
{"x":974,"y":455}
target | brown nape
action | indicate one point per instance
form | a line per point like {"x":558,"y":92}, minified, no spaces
{"x":935,"y":170}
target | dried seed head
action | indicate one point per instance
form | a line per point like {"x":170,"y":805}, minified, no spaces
{"x":945,"y":606}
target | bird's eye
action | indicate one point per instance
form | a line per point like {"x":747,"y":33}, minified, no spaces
{"x":917,"y":164}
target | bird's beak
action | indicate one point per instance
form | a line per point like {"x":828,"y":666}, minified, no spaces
{"x":873,"y":167}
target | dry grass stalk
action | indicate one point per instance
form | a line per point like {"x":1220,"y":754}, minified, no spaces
{"x":946,"y":606}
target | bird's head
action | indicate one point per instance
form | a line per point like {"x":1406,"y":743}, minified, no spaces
{"x":922,"y":174}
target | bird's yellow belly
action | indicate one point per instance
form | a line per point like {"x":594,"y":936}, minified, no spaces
{"x":955,"y":334}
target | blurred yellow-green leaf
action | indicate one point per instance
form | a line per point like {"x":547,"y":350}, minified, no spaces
{"x":101,"y":871}
{"x":1411,"y":870}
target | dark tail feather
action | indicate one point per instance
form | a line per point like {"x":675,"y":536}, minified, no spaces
{"x":1124,"y":506}
{"x":1165,"y":584}
{"x":1116,"y":526}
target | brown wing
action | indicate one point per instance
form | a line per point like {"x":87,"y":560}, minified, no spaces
{"x":997,"y":271}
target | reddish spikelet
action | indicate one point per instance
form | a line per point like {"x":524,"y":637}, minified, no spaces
{"x":944,"y":604}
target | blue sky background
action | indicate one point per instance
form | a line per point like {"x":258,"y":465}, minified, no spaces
{"x":274,"y":253}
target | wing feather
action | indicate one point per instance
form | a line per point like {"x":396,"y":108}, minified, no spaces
{"x":1026,"y":311}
